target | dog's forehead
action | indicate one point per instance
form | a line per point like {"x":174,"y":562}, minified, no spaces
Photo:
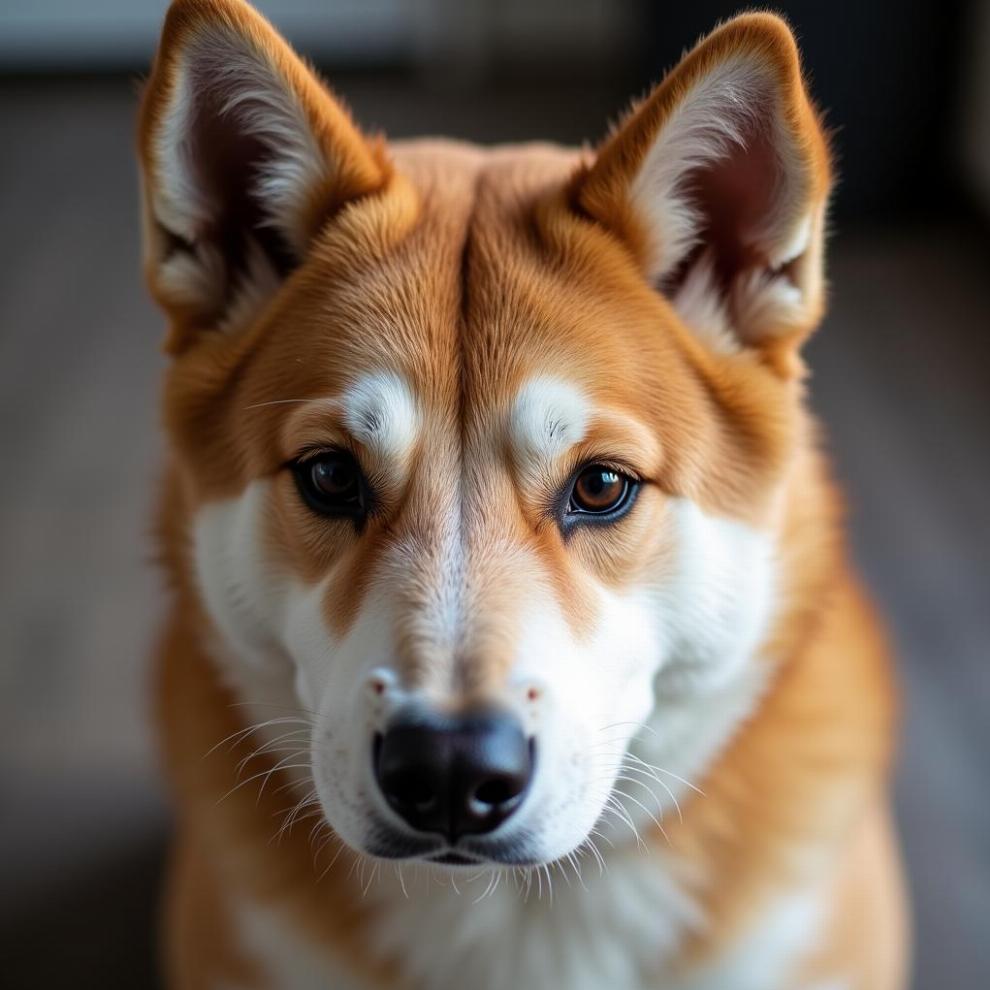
{"x":466,"y":307}
{"x":468,"y":330}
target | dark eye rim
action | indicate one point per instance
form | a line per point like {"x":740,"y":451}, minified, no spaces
{"x":357,"y":509}
{"x":571,"y":516}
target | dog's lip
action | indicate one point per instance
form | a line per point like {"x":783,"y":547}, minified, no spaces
{"x":452,"y":858}
{"x":385,"y":843}
{"x":447,"y":856}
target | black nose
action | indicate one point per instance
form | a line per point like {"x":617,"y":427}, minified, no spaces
{"x":456,"y":775}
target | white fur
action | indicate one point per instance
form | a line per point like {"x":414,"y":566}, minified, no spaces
{"x":381,"y":413}
{"x":549,"y":416}
{"x":764,"y":303}
{"x":718,"y":603}
{"x":193,"y":279}
{"x":702,"y":307}
{"x":179,"y":201}
{"x":611,"y":929}
{"x":242,"y":593}
{"x":759,"y":302}
{"x":793,"y":244}
{"x":598,"y":690}
{"x":247,"y":601}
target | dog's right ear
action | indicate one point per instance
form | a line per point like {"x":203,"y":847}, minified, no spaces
{"x":244,"y":156}
{"x":717,"y":183}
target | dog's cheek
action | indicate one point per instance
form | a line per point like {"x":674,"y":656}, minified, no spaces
{"x":310,"y":643}
{"x":717,"y":604}
{"x":242,"y":594}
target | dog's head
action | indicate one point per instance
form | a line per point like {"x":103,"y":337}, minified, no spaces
{"x":481,"y":453}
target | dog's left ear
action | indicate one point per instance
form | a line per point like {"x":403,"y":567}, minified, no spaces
{"x":245,"y":155}
{"x":718,"y":183}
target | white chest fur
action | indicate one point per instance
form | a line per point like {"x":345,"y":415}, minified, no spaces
{"x":618,"y":929}
{"x":607,"y":929}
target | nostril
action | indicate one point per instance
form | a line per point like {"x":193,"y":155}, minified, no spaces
{"x":405,"y":788}
{"x":411,"y":791}
{"x":499,"y":791}
{"x":497,"y":795}
{"x":494,"y":792}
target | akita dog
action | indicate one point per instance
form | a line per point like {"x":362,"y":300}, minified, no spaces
{"x":513,"y":643}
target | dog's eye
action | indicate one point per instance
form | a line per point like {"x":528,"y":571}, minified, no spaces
{"x":600,"y":491}
{"x":332,"y":483}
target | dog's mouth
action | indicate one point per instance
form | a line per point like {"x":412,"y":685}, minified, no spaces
{"x":396,"y":848}
{"x":455,"y":859}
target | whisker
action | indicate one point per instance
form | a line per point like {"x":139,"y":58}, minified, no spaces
{"x":286,"y":402}
{"x":613,"y":805}
{"x":638,"y":726}
{"x":263,"y":773}
{"x":268,"y":749}
{"x":295,"y":815}
{"x":281,"y":765}
{"x":272,"y":704}
{"x":371,"y":878}
{"x":670,"y":773}
{"x":649,"y":813}
{"x":546,"y":870}
{"x":236,"y":736}
{"x":642,"y":783}
{"x":336,"y":856}
{"x":402,"y":881}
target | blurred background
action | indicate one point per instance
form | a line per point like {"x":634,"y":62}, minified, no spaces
{"x":901,"y":379}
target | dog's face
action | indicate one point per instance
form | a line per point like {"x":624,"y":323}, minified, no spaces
{"x":481,"y":452}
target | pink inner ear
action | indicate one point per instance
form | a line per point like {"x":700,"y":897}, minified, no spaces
{"x":736,"y":197}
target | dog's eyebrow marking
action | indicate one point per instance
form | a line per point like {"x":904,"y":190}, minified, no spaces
{"x":380,"y":412}
{"x":548,"y":417}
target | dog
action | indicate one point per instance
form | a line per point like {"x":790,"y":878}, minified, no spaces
{"x":513,"y":642}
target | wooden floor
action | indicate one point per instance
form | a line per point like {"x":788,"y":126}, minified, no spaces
{"x":902,"y":379}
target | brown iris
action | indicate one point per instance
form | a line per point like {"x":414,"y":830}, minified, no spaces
{"x":599,"y":490}
{"x":334,"y":477}
{"x":332,"y":484}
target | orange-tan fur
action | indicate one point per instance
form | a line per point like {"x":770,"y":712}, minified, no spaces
{"x":476,"y":270}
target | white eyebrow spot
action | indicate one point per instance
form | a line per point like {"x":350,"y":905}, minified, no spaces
{"x":548,"y":417}
{"x":380,"y":412}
